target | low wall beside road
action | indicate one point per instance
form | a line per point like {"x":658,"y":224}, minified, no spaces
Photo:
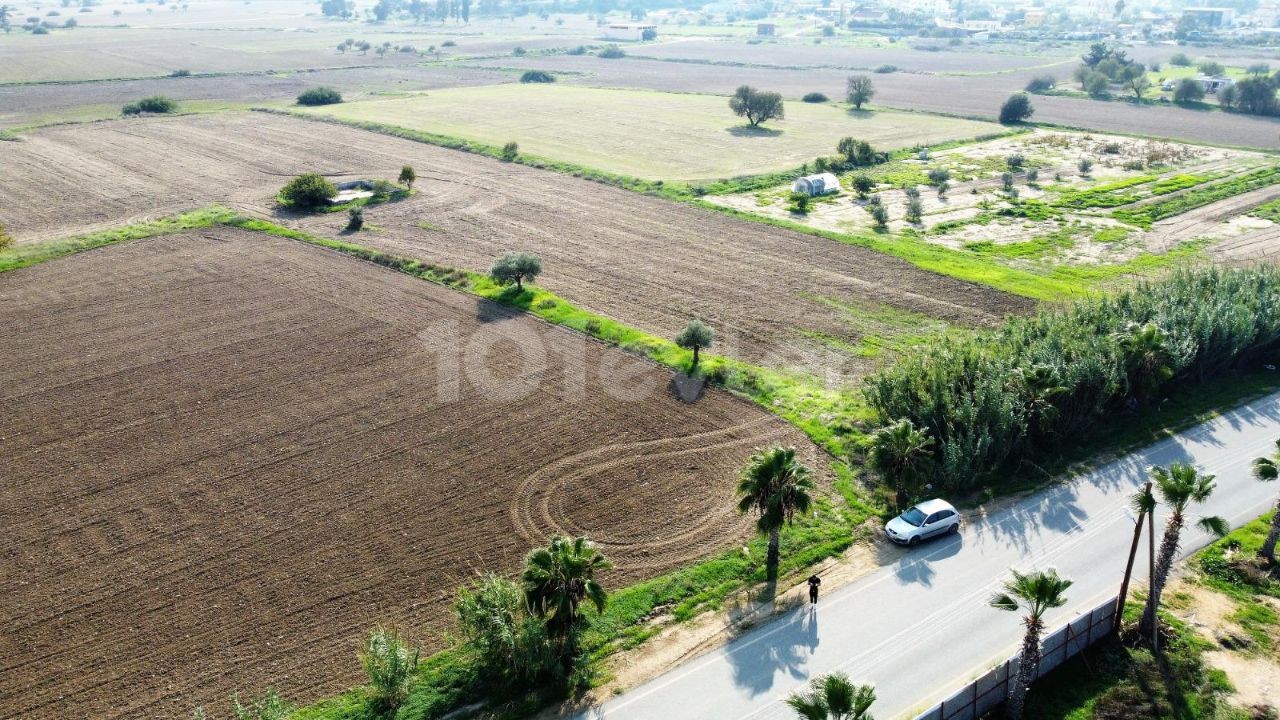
{"x":984,"y":694}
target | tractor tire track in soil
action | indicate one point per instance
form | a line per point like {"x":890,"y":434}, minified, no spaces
{"x":227,"y":455}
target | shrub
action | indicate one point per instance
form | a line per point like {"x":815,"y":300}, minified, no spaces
{"x":1015,"y":161}
{"x":518,"y":51}
{"x":611,"y":52}
{"x":508,"y":646}
{"x":886,"y":69}
{"x":270,"y":707}
{"x":863,"y":184}
{"x":510,"y":151}
{"x":579,"y":50}
{"x":448,"y":43}
{"x":815,"y":97}
{"x":999,"y":399}
{"x":154,"y":104}
{"x":307,"y":191}
{"x":1188,"y":91}
{"x":1084,"y":166}
{"x":355,"y":219}
{"x":1016,"y":109}
{"x":70,"y":23}
{"x":407,"y":176}
{"x":180,"y":73}
{"x":1033,"y":175}
{"x":915,"y":208}
{"x":1211,"y":68}
{"x":798,"y":202}
{"x":319,"y":96}
{"x":1041,"y":83}
{"x":390,"y":664}
{"x":537,"y":76}
{"x":1006,"y":181}
{"x":878,"y":212}
{"x":6,"y":240}
{"x":42,"y":30}
{"x":1180,"y":60}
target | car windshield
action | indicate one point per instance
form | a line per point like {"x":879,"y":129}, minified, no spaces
{"x":914,"y":516}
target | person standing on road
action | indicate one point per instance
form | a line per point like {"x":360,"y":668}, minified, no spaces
{"x":814,"y":582}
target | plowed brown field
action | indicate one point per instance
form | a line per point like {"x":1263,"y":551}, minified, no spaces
{"x":226,"y":455}
{"x":774,"y":296}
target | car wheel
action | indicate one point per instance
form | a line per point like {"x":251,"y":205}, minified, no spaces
{"x":915,"y":540}
{"x":955,"y":529}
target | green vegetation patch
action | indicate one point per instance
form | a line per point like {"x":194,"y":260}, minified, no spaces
{"x":1147,"y":215}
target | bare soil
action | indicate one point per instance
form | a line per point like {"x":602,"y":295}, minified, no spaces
{"x":227,"y":455}
{"x":970,"y":96}
{"x":774,"y":296}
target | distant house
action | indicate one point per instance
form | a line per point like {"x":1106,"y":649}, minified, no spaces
{"x":631,"y":32}
{"x":766,"y":29}
{"x":814,"y":185}
{"x":1209,"y":18}
{"x":1212,"y":85}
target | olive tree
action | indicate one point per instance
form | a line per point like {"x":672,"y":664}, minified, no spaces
{"x":407,"y":176}
{"x":756,"y":106}
{"x":695,"y":336}
{"x":516,"y":267}
{"x":859,"y":90}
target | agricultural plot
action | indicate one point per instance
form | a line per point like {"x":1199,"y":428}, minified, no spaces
{"x":796,"y":53}
{"x":775,"y":297}
{"x":973,"y":96}
{"x":227,"y":455}
{"x":48,"y":103}
{"x":1071,"y":198}
{"x":650,"y":135}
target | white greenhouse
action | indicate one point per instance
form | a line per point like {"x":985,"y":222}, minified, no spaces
{"x":813,"y":185}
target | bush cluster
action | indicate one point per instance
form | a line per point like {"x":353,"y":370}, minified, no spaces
{"x":319,"y":96}
{"x":154,"y":104}
{"x":307,"y":191}
{"x":537,"y":76}
{"x":997,"y":399}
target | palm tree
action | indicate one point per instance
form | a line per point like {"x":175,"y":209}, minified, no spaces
{"x":1040,"y":385}
{"x":1267,"y":469}
{"x":901,"y":454}
{"x":556,"y":580}
{"x":834,"y":697}
{"x":1148,"y":359}
{"x":1179,"y":485}
{"x":776,"y":486}
{"x":1036,"y":593}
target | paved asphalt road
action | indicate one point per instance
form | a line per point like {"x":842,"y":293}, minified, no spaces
{"x":919,"y":626}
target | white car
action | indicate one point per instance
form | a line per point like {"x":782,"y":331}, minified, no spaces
{"x":930,"y":518}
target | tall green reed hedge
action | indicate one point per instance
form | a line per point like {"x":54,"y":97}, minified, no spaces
{"x":997,"y":399}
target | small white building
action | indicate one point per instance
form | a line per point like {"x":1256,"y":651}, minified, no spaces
{"x":631,"y":32}
{"x":814,"y":185}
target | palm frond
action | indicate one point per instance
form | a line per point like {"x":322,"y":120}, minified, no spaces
{"x":1214,"y":524}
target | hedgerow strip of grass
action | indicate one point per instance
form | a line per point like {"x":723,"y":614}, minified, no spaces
{"x":23,"y":255}
{"x":800,"y":399}
{"x":1147,"y":215}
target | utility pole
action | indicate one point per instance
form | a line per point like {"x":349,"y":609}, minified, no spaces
{"x":1133,"y":553}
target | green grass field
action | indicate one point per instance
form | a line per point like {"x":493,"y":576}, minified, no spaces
{"x":652,"y":135}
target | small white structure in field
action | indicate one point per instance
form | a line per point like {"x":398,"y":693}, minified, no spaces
{"x":814,"y":185}
{"x":631,"y":32}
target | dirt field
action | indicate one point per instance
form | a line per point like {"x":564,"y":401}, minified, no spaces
{"x":660,"y":136}
{"x":774,"y":296}
{"x":22,"y":105}
{"x":979,"y":95}
{"x":227,"y":455}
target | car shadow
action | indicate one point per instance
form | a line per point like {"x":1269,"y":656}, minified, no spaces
{"x":914,"y":565}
